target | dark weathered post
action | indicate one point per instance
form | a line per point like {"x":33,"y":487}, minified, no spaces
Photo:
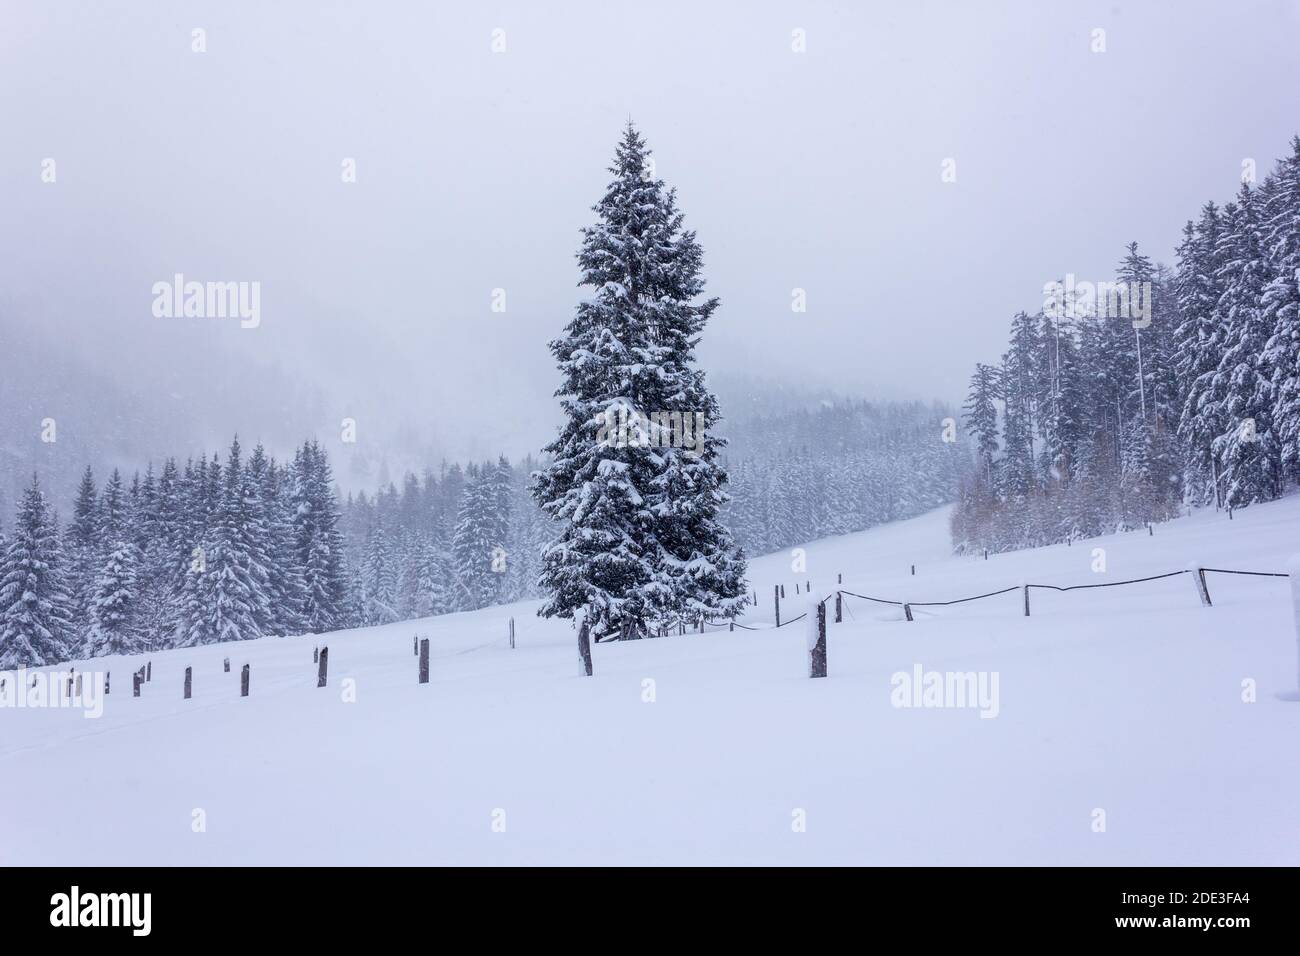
{"x":315,"y":655}
{"x":914,"y":570}
{"x":225,"y":665}
{"x":1202,"y":589}
{"x":808,"y":586}
{"x":839,"y":578}
{"x":322,"y":671}
{"x":135,"y":684}
{"x":782,"y":590}
{"x":731,"y":627}
{"x":424,"y":660}
{"x":584,"y":649}
{"x":148,"y":671}
{"x":839,"y":607}
{"x":1151,"y":531}
{"x":69,"y":686}
{"x":986,"y":554}
{"x":243,"y":682}
{"x":107,"y":675}
{"x":817,"y":640}
{"x":776,"y":599}
{"x":1025,"y":588}
{"x":796,"y":587}
{"x":512,"y":633}
{"x":907,"y":611}
{"x":189,"y":686}
{"x":415,"y":645}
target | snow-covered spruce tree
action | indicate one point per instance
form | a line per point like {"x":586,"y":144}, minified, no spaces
{"x":275,"y":519}
{"x":981,"y":416}
{"x":1281,"y":303}
{"x":82,"y":545}
{"x":379,"y":578}
{"x":226,"y":594}
{"x":1198,"y":347}
{"x":35,"y":606}
{"x":640,"y":542}
{"x":432,"y":577}
{"x":113,"y":627}
{"x":318,"y":543}
{"x":112,"y":511}
{"x":1247,"y":449}
{"x":478,"y":545}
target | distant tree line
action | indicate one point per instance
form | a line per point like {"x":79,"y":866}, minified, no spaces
{"x":840,"y":467}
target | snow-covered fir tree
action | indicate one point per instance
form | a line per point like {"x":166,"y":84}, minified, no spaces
{"x":113,"y":627}
{"x":1248,"y":447}
{"x":226,"y":590}
{"x":35,"y":605}
{"x":318,"y":543}
{"x":640,"y":543}
{"x":482,"y":528}
{"x":1280,"y":304}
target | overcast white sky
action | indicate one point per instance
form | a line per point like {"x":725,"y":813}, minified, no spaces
{"x":818,"y":170}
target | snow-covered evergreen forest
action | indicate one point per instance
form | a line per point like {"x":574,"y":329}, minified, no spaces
{"x":296,"y":555}
{"x":839,"y":467}
{"x":1090,"y":423}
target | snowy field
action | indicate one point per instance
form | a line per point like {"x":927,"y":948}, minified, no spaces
{"x":1126,"y":700}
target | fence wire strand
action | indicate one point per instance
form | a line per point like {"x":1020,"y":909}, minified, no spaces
{"x":980,"y":597}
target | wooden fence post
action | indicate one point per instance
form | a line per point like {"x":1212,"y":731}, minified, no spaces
{"x":148,"y":672}
{"x":189,"y":686}
{"x":243,"y":682}
{"x":914,"y":570}
{"x":135,"y":684}
{"x":839,"y":607}
{"x":107,"y":675}
{"x":817,"y":639}
{"x":225,"y":665}
{"x":322,"y":671}
{"x":796,"y":587}
{"x":512,"y":633}
{"x":731,"y":627}
{"x":776,"y":599}
{"x":1202,"y":590}
{"x":424,"y":660}
{"x":1025,"y":588}
{"x":315,"y":655}
{"x":415,"y":645}
{"x":584,"y":648}
{"x":782,"y":590}
{"x":907,"y":611}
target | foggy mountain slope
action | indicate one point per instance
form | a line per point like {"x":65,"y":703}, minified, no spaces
{"x":109,"y":416}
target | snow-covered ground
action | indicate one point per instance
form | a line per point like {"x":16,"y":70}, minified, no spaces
{"x":1126,"y":700}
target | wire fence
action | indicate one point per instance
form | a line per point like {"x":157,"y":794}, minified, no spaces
{"x":1025,"y":587}
{"x":907,"y":605}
